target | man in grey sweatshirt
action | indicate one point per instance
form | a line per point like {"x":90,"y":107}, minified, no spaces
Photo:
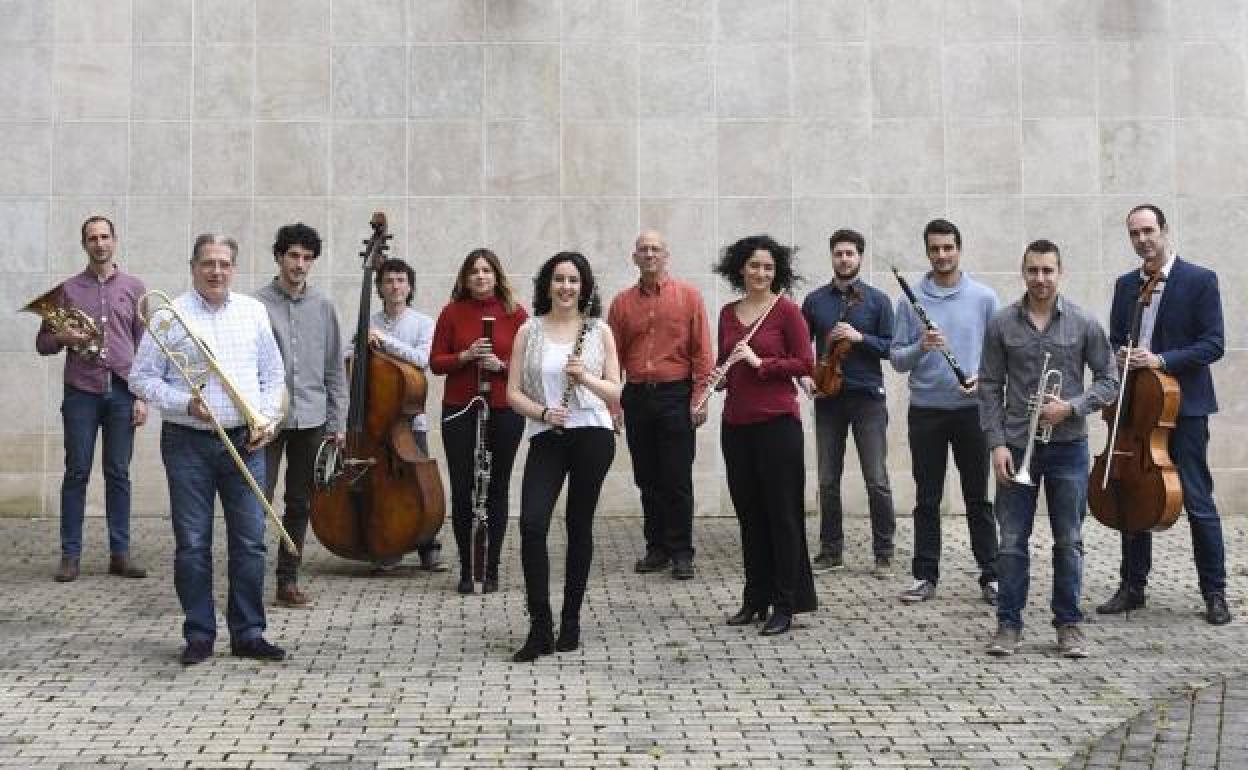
{"x":943,"y":413}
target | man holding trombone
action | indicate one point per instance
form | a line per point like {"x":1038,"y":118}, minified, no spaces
{"x":206,"y":359}
{"x":1033,"y":409}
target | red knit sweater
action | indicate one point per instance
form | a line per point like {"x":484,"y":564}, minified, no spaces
{"x":459,"y":325}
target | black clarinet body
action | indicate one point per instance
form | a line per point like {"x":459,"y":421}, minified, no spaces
{"x":927,"y":324}
{"x":482,"y":459}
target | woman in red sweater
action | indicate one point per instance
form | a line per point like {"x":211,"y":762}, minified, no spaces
{"x":469,"y":359}
{"x":761,"y":433}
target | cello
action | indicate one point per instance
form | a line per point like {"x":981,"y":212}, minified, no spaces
{"x":1133,"y":485}
{"x":378,"y":497}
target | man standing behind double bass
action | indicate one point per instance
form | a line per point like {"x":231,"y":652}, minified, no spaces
{"x":305,"y":325}
{"x":1180,"y":334}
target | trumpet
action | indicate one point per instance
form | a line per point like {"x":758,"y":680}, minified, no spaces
{"x":1050,"y":385}
{"x":159,"y":317}
{"x":51,"y":307}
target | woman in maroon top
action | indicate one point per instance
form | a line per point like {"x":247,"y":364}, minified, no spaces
{"x":463,"y":353}
{"x":761,"y":434}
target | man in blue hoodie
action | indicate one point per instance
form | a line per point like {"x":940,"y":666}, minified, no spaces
{"x":944,"y":414}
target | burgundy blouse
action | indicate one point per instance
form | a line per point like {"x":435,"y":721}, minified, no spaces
{"x":783,"y":343}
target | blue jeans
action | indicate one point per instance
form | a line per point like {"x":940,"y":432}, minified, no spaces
{"x":1062,"y":467}
{"x":199,"y":468}
{"x":868,"y":417}
{"x":1189,"y":445}
{"x":84,"y":414}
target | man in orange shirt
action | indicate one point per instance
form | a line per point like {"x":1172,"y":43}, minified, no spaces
{"x":664,"y":346}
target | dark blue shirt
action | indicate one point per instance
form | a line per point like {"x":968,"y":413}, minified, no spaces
{"x":872,"y":317}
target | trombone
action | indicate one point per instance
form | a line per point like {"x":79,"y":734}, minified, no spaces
{"x":1050,"y":385}
{"x":196,"y":375}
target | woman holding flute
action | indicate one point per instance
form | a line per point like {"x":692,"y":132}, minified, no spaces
{"x":763,"y":345}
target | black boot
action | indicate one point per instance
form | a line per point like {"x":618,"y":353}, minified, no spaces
{"x":747,"y":615}
{"x":541,"y":641}
{"x":490,"y":584}
{"x":1125,"y":600}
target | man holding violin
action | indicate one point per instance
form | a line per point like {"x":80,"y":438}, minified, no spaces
{"x":1180,"y":334}
{"x":851,"y":324}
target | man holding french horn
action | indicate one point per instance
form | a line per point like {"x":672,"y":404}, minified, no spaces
{"x":94,"y":317}
{"x":1033,"y":409}
{"x":210,"y":363}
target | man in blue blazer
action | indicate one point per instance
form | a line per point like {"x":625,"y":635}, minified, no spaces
{"x":1181,"y":334}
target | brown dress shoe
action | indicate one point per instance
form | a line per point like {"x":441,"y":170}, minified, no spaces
{"x":68,"y":571}
{"x":119,"y":564}
{"x":289,"y":595}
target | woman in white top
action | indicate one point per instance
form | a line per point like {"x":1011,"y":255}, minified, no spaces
{"x":564,"y":377}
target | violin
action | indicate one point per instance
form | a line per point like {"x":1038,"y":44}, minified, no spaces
{"x":828,"y":376}
{"x":1134,"y":486}
{"x":379,"y":497}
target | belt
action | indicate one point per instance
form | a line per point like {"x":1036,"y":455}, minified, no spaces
{"x":231,"y":432}
{"x":658,"y":385}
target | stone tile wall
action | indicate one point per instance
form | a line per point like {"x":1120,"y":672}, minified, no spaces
{"x":537,"y":125}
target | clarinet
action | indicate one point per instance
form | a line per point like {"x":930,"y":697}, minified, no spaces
{"x":482,"y":459}
{"x":931,"y":327}
{"x":586,"y":323}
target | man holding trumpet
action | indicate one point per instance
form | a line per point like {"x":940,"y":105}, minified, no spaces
{"x":198,"y":387}
{"x":1033,"y":409}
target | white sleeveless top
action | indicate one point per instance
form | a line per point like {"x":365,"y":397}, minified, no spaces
{"x":585,"y":410}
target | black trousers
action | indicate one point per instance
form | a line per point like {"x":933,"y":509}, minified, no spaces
{"x":582,"y":456}
{"x":299,"y":446}
{"x":660,"y":435}
{"x":932,"y":433}
{"x":766,"y":481}
{"x":504,"y":430}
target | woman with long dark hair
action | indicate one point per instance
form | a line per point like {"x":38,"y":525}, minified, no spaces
{"x":469,"y":358}
{"x":761,"y":433}
{"x":564,"y":377}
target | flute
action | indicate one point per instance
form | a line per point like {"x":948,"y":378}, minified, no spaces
{"x":720,"y":374}
{"x":931,"y":327}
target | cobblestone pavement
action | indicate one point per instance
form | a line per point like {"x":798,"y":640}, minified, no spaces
{"x":399,"y":671}
{"x":1206,"y":727}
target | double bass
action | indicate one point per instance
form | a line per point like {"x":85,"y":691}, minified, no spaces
{"x":377,"y":497}
{"x":1134,"y":486}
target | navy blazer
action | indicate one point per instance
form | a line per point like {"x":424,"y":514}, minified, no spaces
{"x":1188,"y":331}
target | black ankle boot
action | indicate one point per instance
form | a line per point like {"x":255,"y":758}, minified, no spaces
{"x":569,"y":635}
{"x":541,"y":641}
{"x":1125,"y":600}
{"x":465,"y":585}
{"x":747,"y":615}
{"x":778,"y":623}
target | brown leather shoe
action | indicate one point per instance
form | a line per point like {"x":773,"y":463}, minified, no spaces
{"x":289,"y":595}
{"x":68,"y":571}
{"x":119,"y":564}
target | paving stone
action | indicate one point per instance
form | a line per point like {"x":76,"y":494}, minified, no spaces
{"x":400,"y":671}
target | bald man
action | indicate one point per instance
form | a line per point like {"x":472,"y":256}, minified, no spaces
{"x":664,"y":346}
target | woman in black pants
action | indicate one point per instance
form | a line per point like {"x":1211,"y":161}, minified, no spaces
{"x":761,"y":434}
{"x":564,"y":376}
{"x":468,"y":357}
